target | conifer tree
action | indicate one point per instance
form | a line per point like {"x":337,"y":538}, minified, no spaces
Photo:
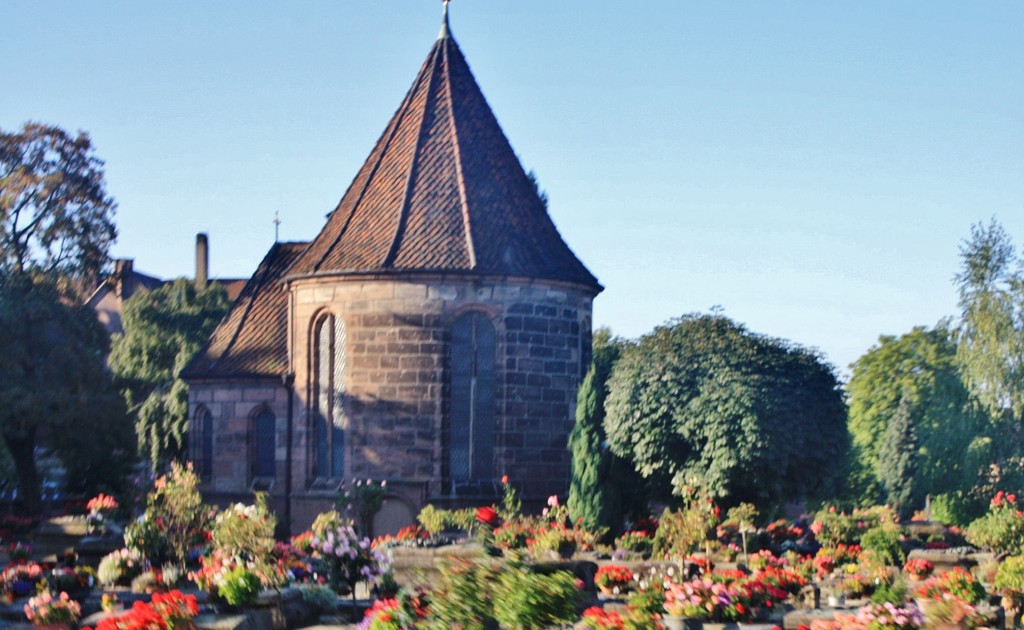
{"x":898,"y":459}
{"x":597,"y":475}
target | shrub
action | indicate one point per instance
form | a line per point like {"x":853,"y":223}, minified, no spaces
{"x":433,"y":519}
{"x":175,"y":518}
{"x":239,"y":587}
{"x":883,"y":543}
{"x":680,"y":533}
{"x":955,"y":508}
{"x":1010,"y":577}
{"x":320,"y":596}
{"x":361,"y":502}
{"x":245,"y":533}
{"x":1001,"y":529}
{"x":534,"y":600}
{"x":463,"y":598}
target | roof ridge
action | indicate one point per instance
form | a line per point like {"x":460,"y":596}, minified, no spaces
{"x":459,"y":174}
{"x":402,"y":109}
{"x":403,"y":212}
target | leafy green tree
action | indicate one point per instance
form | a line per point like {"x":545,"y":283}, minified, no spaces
{"x":898,"y":460}
{"x":920,"y":368}
{"x":53,"y":382}
{"x":603,"y":487}
{"x":56,"y":218}
{"x":163,"y":330}
{"x":56,"y":227}
{"x":752,"y":418}
{"x":990,"y":338}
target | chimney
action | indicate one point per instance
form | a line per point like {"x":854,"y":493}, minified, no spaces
{"x":202,"y":260}
{"x":122,"y":272}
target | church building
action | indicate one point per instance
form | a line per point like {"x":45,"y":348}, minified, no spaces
{"x":433,"y":334}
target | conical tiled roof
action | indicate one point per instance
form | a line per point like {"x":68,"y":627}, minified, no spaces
{"x":443,"y":192}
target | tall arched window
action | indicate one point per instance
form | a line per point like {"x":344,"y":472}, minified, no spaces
{"x":264,"y":444}
{"x":329,"y":416}
{"x":204,"y":443}
{"x":472,"y":408}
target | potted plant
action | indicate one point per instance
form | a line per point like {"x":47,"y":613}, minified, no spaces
{"x":18,"y":552}
{"x":47,"y":612}
{"x":918,"y":569}
{"x":688,"y":604}
{"x":636,"y":541}
{"x":1009,"y":582}
{"x":613,"y":579}
{"x":101,"y":508}
{"x":110,"y":604}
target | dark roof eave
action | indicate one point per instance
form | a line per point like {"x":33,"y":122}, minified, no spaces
{"x":594,"y":288}
{"x":214,"y":376}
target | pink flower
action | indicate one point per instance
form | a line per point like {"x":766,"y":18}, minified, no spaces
{"x":553,"y":500}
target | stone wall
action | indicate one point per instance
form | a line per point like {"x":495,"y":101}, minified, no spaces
{"x":233,"y":404}
{"x":396,"y":373}
{"x":395,"y":390}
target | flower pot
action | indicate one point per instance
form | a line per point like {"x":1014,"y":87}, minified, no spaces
{"x":681,"y":623}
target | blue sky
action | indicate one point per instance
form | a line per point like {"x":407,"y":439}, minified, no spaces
{"x":809,"y":166}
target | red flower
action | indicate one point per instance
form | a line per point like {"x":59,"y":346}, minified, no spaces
{"x":487,"y":515}
{"x":504,"y":480}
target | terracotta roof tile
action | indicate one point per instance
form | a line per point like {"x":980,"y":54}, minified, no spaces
{"x":251,"y":340}
{"x":443,"y":191}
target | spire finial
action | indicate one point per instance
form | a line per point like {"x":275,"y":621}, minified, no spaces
{"x":445,"y":30}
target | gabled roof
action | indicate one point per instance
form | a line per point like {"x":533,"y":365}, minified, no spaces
{"x":251,"y":339}
{"x":443,"y":191}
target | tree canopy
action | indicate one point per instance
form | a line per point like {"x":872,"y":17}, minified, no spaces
{"x":53,"y":380}
{"x":990,"y":338}
{"x":919,"y":368}
{"x":163,"y":330}
{"x":56,"y":218}
{"x":56,"y":228}
{"x":751,"y":418}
